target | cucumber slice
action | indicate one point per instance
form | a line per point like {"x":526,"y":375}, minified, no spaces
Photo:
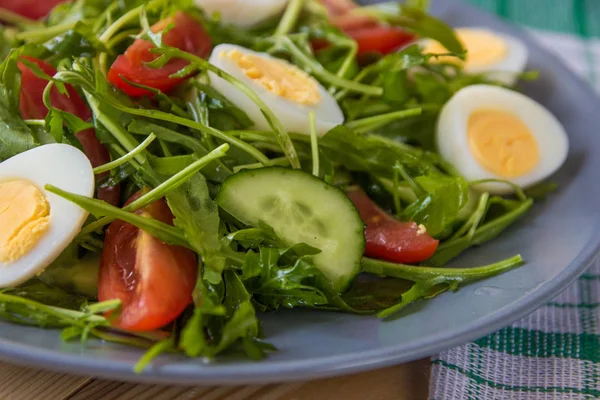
{"x":301,"y":209}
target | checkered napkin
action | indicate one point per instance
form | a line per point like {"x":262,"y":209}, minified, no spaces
{"x":553,"y":353}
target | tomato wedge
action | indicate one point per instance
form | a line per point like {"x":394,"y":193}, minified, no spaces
{"x":32,"y":107}
{"x":153,"y":280}
{"x":34,"y":9}
{"x":389,"y":239}
{"x":370,"y":36}
{"x":380,"y":39}
{"x":187,"y":34}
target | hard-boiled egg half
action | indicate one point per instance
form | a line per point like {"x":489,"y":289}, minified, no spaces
{"x":488,"y":132}
{"x":36,"y":225}
{"x":500,"y":57}
{"x":287,"y":90}
{"x":243,"y":13}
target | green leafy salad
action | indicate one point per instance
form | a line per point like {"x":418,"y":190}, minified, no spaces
{"x":171,"y":169}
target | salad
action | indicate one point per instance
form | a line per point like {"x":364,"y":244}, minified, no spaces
{"x":170,"y":169}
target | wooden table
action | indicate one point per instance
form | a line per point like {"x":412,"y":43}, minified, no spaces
{"x":403,"y":382}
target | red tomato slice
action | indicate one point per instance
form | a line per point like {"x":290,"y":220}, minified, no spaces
{"x":367,"y":32}
{"x":187,"y":34}
{"x":380,"y":39}
{"x":32,"y":107}
{"x":389,"y":239}
{"x":153,"y":280}
{"x":34,"y":9}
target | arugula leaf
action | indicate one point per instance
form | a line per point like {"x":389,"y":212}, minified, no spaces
{"x":488,"y":231}
{"x":39,"y":291}
{"x":429,"y":282}
{"x":197,"y":215}
{"x":80,"y":41}
{"x":440,"y":206}
{"x":369,"y":153}
{"x":294,"y":283}
{"x":15,"y":135}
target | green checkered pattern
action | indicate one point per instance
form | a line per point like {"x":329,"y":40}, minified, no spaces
{"x":553,"y":353}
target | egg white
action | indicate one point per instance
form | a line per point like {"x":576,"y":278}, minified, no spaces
{"x":293,"y":116}
{"x":506,"y":70}
{"x":243,"y":13}
{"x":65,"y":167}
{"x":453,"y":144}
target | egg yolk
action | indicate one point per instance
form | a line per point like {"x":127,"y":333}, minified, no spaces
{"x":502,"y":143}
{"x":483,"y":48}
{"x":278,"y":77}
{"x":24,"y":219}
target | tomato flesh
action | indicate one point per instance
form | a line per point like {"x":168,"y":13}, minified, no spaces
{"x":153,"y":280}
{"x":380,"y":39}
{"x":34,"y":9}
{"x":370,"y":36}
{"x":187,"y":34}
{"x":32,"y":106}
{"x":389,"y":239}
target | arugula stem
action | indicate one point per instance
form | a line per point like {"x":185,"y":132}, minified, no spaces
{"x":35,"y":122}
{"x":413,"y":273}
{"x":156,"y":350}
{"x":414,"y":185}
{"x":343,"y":70}
{"x":121,"y":338}
{"x":158,"y":229}
{"x":320,"y":71}
{"x":396,"y":192}
{"x":371,"y":123}
{"x":127,"y":18}
{"x":452,"y":248}
{"x":357,"y":79}
{"x":103,"y":306}
{"x":16,"y":19}
{"x":44,"y":34}
{"x":281,"y":161}
{"x":475,"y":218}
{"x":161,"y":190}
{"x":127,"y":157}
{"x":116,"y":129}
{"x":120,"y":37}
{"x":289,"y":18}
{"x":105,"y":16}
{"x":314,"y":143}
{"x":432,"y":281}
{"x":69,"y":317}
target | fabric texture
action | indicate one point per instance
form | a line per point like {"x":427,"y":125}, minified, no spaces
{"x":553,"y":353}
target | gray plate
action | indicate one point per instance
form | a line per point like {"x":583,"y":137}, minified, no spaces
{"x":559,"y":239}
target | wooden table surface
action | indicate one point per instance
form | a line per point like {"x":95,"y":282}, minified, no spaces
{"x":403,"y":382}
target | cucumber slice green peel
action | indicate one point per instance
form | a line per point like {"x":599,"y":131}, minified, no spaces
{"x":304,"y":209}
{"x":301,"y":209}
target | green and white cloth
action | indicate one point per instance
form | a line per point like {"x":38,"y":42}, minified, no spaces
{"x":553,"y":353}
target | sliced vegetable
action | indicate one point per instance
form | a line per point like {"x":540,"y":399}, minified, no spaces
{"x":184,"y":33}
{"x":32,"y":107}
{"x":301,"y":209}
{"x":369,"y":34}
{"x":380,"y":39}
{"x":153,"y":280}
{"x":389,"y":239}
{"x":33,"y":9}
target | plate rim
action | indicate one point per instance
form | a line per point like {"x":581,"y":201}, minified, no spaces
{"x":327,"y":366}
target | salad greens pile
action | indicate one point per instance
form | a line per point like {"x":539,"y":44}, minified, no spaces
{"x":184,"y":145}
